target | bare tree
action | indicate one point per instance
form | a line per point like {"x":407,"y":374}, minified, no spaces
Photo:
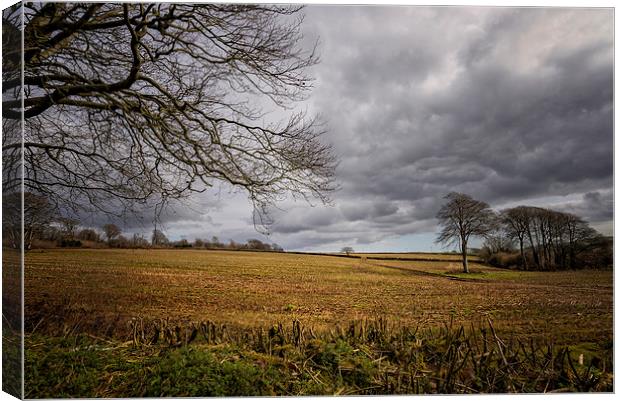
{"x":38,"y":213}
{"x":111,"y":231}
{"x":138,"y":241}
{"x":579,"y":236}
{"x":555,"y":238}
{"x":347,"y":249}
{"x":542,"y":229}
{"x":497,"y":241}
{"x":69,"y":226}
{"x":258,"y":245}
{"x":88,"y":234}
{"x":129,"y":103}
{"x":461,"y":218}
{"x":159,"y":238}
{"x":516,"y":223}
{"x":121,"y":242}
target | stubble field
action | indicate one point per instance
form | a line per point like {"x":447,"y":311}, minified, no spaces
{"x":98,"y":292}
{"x":255,"y":288}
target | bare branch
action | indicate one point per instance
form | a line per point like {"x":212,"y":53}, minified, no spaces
{"x":153,"y":101}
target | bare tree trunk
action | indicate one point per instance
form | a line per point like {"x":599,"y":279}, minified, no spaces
{"x":534,"y":250}
{"x":523,"y":259}
{"x":28,"y":235}
{"x":464,"y":253}
{"x":571,"y":254}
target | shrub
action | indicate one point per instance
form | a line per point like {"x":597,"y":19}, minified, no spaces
{"x":70,"y":243}
{"x":503,"y":259}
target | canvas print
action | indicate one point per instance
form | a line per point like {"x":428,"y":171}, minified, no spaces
{"x":226,"y":199}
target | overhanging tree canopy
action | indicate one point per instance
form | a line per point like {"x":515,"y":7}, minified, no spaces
{"x":134,"y":102}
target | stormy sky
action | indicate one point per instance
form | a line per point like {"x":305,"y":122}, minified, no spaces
{"x":509,"y":105}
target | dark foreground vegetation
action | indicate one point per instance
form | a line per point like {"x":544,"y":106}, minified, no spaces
{"x":364,"y":357}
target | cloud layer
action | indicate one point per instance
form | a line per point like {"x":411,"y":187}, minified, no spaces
{"x":505,"y":104}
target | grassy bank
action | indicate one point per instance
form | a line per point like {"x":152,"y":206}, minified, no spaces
{"x":363,"y":357}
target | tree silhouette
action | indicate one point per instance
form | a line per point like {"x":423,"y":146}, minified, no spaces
{"x":138,"y":103}
{"x":347,"y":249}
{"x":111,"y":231}
{"x":461,"y":218}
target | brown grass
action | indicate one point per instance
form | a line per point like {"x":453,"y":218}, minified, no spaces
{"x":255,"y":288}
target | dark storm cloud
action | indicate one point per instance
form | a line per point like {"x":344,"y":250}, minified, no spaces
{"x":594,"y":206}
{"x":504,"y":104}
{"x":368,"y":210}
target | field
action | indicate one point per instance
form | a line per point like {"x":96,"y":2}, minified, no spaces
{"x":417,"y":256}
{"x":95,"y":294}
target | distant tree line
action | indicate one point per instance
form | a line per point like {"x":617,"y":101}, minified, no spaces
{"x":545,"y":239}
{"x":45,"y":226}
{"x":525,"y":237}
{"x":251,"y":244}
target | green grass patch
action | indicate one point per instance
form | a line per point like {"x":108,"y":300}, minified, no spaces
{"x":487,"y":274}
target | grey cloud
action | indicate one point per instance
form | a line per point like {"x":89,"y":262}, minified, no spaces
{"x":302,"y":218}
{"x":365,"y":210}
{"x":514,"y":117}
{"x":505,"y":104}
{"x":595,"y":207}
